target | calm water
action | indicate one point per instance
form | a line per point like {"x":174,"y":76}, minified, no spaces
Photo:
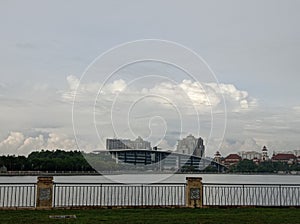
{"x":167,"y":178}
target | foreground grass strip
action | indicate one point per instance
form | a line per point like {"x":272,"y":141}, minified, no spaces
{"x":180,"y":216}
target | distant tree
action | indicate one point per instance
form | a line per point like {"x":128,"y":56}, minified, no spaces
{"x":245,"y":166}
{"x":211,"y":169}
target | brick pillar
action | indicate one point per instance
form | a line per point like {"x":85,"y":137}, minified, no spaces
{"x":44,"y":192}
{"x":194,"y":192}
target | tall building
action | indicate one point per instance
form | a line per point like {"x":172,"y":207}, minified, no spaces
{"x":138,"y":143}
{"x":191,"y":145}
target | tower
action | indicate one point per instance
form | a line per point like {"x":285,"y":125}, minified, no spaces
{"x":264,"y":154}
{"x":217,"y":157}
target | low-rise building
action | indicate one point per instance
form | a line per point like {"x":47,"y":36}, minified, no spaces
{"x":284,"y":157}
{"x":251,"y":155}
{"x":232,"y":159}
{"x":254,"y":155}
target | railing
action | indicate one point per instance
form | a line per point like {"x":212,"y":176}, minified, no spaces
{"x":251,"y":194}
{"x":191,"y":194}
{"x":118,"y":195}
{"x":19,"y":195}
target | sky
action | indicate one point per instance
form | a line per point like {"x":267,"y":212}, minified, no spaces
{"x":252,"y":48}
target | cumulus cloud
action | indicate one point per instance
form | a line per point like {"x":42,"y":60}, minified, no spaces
{"x":18,"y":143}
{"x":200,"y":95}
{"x":14,"y":141}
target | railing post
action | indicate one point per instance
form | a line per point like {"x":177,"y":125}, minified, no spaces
{"x":194,"y":192}
{"x":142,"y":195}
{"x":44,"y":193}
{"x":280,"y":200}
{"x":244,"y":201}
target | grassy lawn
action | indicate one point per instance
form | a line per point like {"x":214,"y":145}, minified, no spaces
{"x":153,"y":216}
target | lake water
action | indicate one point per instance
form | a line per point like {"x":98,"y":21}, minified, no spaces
{"x":165,"y":178}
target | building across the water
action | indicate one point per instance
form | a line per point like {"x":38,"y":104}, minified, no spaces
{"x":138,"y":143}
{"x":191,"y":146}
{"x":254,"y":155}
{"x":251,"y":155}
{"x":188,"y":157}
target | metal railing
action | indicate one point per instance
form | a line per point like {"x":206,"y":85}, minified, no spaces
{"x":19,"y":195}
{"x":251,"y":194}
{"x":122,"y":195}
{"x":22,"y":195}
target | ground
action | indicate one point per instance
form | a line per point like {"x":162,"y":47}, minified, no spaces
{"x":154,"y":216}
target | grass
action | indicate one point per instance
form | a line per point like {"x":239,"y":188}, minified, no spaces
{"x":154,"y":216}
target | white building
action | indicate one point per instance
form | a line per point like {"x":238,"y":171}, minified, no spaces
{"x":250,"y":155}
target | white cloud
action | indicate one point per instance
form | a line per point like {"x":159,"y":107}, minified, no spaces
{"x":18,"y":143}
{"x":60,"y":141}
{"x":200,"y":95}
{"x":12,"y":142}
{"x":31,"y":144}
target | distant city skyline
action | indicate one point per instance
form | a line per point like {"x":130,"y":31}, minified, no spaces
{"x":252,"y":47}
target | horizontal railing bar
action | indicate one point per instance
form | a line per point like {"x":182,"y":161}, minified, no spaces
{"x":239,"y":184}
{"x":18,"y":184}
{"x":172,"y":184}
{"x":121,"y":184}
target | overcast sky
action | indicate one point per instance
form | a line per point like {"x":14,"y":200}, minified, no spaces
{"x":253,"y":47}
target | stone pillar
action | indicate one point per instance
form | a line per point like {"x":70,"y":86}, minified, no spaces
{"x":44,"y":193}
{"x":194,"y":192}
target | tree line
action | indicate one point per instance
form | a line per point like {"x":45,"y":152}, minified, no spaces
{"x":263,"y":167}
{"x":46,"y":160}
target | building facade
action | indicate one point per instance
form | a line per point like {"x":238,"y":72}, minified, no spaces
{"x":191,"y":146}
{"x":138,"y":143}
{"x":232,"y":159}
{"x":251,"y":155}
{"x":285,"y":158}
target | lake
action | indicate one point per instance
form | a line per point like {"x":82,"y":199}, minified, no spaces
{"x":165,"y":178}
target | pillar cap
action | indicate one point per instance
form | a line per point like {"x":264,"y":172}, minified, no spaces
{"x":193,"y":178}
{"x":45,"y":178}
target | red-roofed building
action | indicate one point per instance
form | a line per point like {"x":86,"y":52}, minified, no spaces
{"x":283,"y":157}
{"x":232,"y":159}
